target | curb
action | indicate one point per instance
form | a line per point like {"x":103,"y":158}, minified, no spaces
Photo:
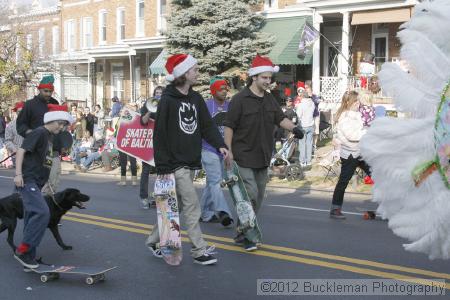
{"x":269,"y":186}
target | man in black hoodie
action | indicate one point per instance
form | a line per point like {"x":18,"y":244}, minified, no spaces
{"x":32,"y":117}
{"x":182,"y":121}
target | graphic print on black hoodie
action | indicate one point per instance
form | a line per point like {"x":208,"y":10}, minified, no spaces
{"x":181,"y":123}
{"x":188,"y":117}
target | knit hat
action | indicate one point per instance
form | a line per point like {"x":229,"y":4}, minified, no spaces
{"x":287,"y":92}
{"x":57,"y":113}
{"x":217,"y":84}
{"x":19,"y":105}
{"x":179,"y":64}
{"x":262,"y":64}
{"x":47,"y":83}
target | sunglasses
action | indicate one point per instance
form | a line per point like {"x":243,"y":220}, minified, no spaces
{"x":47,"y":91}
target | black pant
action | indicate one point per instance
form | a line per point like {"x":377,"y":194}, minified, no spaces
{"x":123,"y":158}
{"x":146,"y":171}
{"x":348,"y":167}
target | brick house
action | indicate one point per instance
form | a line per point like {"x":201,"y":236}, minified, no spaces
{"x":106,"y":48}
{"x":349,"y":28}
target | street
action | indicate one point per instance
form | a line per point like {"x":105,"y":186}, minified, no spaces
{"x":300,"y":242}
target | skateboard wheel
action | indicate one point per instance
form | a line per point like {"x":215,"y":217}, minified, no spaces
{"x":90,"y":281}
{"x":44,"y":278}
{"x":235,"y":178}
{"x":366,"y":216}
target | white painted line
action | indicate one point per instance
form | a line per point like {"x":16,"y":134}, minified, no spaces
{"x":6,"y":177}
{"x":316,"y":209}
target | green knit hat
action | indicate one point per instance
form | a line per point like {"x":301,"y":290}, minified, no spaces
{"x":47,"y":82}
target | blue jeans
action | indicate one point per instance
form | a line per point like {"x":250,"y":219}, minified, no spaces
{"x":213,"y":201}
{"x":88,"y":160}
{"x":36,"y":215}
{"x":305,"y":146}
{"x":76,"y":154}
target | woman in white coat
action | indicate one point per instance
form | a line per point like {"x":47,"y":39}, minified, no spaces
{"x":350,"y":130}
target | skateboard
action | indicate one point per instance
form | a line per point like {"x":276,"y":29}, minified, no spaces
{"x":52,"y":272}
{"x":247,"y":224}
{"x":369,"y":214}
{"x":168,"y":220}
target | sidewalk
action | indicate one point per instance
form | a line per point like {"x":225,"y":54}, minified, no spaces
{"x":313,"y":182}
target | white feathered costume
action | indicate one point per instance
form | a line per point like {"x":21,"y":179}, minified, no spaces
{"x":394,"y":148}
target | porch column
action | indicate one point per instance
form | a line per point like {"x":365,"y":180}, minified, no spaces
{"x":89,"y":100}
{"x":344,"y":66}
{"x":131,"y":56}
{"x":317,"y":20}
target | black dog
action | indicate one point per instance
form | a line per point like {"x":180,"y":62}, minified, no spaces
{"x":11,"y":209}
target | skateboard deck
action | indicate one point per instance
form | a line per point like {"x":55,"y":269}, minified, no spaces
{"x":369,"y":214}
{"x":52,"y":272}
{"x":168,"y":220}
{"x":247,"y":225}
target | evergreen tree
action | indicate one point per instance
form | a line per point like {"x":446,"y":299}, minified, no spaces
{"x":220,"y":34}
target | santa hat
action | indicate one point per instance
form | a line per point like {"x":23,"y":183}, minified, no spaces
{"x":47,"y":83}
{"x":300,"y":85}
{"x":262,"y":64}
{"x":217,"y":85}
{"x":178,"y":64}
{"x":19,"y":105}
{"x":57,"y":113}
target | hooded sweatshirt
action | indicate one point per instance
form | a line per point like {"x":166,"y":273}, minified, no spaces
{"x":182,"y":121}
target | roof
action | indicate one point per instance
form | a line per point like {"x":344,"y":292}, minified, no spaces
{"x":287,"y":32}
{"x":157,"y":67}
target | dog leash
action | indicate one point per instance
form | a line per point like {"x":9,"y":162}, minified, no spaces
{"x":8,"y":158}
{"x":53,"y":195}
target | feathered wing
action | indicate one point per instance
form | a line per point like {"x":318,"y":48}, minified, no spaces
{"x":394,"y":147}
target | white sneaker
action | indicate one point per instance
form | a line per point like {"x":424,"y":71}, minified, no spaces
{"x":156,"y":251}
{"x":145,"y":204}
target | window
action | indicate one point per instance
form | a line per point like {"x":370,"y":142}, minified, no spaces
{"x":380,"y":44}
{"x":69,"y":35}
{"x":41,"y":40}
{"x":102,"y":27}
{"x":87,"y":32}
{"x":75,"y":88}
{"x":270,"y":4}
{"x":162,"y":16}
{"x":120,"y":24}
{"x":55,"y":40}
{"x":117,"y":88}
{"x":140,"y":23}
{"x":29,"y":42}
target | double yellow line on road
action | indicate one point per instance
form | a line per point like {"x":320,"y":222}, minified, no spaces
{"x":354,"y":265}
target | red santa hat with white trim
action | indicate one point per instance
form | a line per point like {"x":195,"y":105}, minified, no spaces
{"x":262,"y":64}
{"x":57,"y":113}
{"x":179,"y":64}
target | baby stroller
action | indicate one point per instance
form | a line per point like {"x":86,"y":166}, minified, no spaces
{"x":284,"y":164}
